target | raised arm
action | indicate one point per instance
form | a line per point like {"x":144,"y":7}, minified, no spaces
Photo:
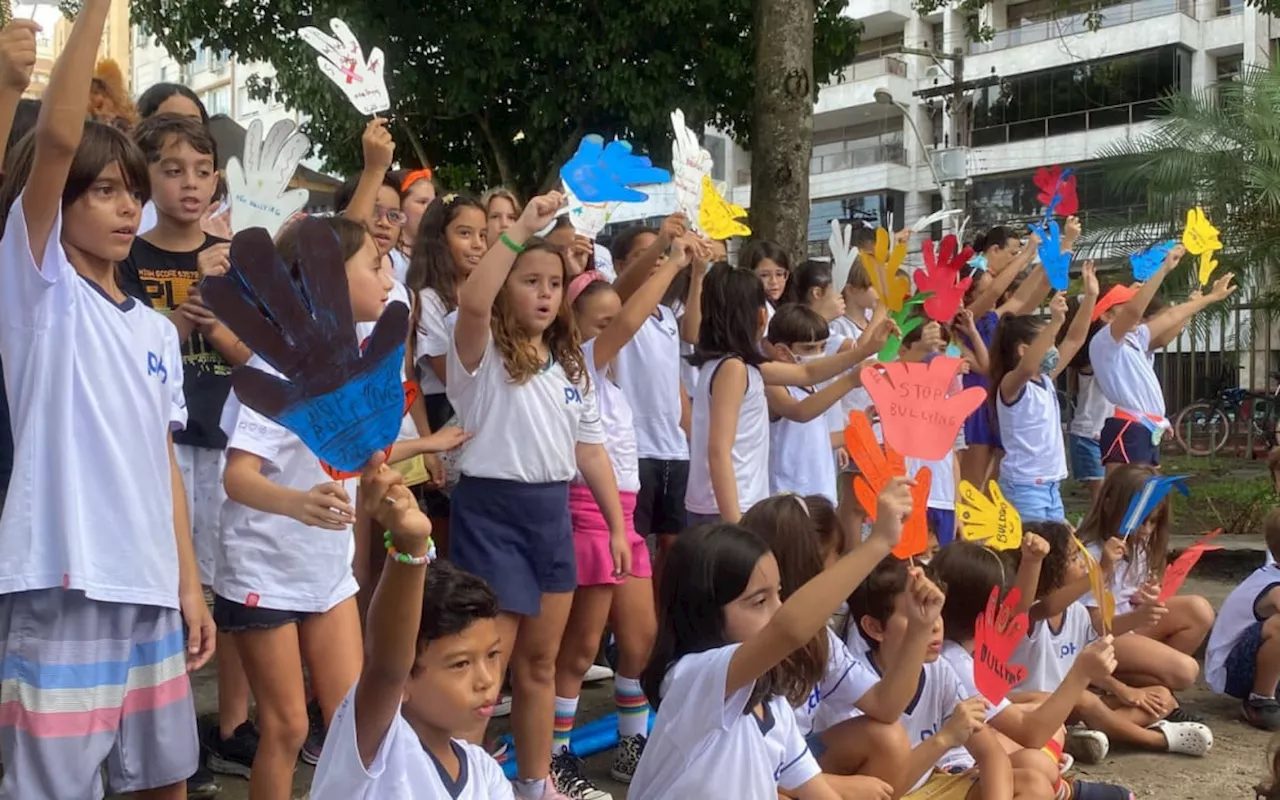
{"x":379,"y":150}
{"x":691,"y":321}
{"x":780,"y":373}
{"x":1132,"y":312}
{"x":640,"y":305}
{"x":1166,"y":326}
{"x":782,"y":404}
{"x":1028,"y":367}
{"x":989,"y":298}
{"x":1079,"y":330}
{"x":17,"y":60}
{"x":634,"y":276}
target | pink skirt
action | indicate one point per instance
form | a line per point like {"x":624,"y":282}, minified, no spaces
{"x":591,"y":538}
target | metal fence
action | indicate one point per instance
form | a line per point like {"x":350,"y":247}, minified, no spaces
{"x":1238,"y":348}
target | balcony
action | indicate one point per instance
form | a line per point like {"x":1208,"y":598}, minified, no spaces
{"x":880,"y":16}
{"x":1063,"y":124}
{"x":855,"y":86}
{"x":1074,"y":24}
{"x":859,"y":156}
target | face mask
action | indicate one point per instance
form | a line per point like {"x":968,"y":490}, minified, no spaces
{"x":1050,"y":361}
{"x":806,"y":359}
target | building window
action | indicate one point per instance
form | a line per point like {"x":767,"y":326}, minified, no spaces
{"x":166,"y":72}
{"x":879,"y":47}
{"x":217,"y":101}
{"x":203,"y":57}
{"x":1228,"y":67}
{"x":715,"y":146}
{"x":1012,"y":198}
{"x":873,"y":209}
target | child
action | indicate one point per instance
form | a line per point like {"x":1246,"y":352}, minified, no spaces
{"x":516,"y":366}
{"x":1024,"y":365}
{"x":1243,"y":656}
{"x":1170,"y":632}
{"x":501,"y":210}
{"x":772,"y":267}
{"x":418,"y":188}
{"x":717,"y":676}
{"x":434,"y":668}
{"x":943,"y":720}
{"x":95,"y":392}
{"x":1091,"y":409}
{"x":1122,"y":366}
{"x":373,"y":198}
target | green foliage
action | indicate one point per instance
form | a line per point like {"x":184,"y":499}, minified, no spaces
{"x":467,"y":78}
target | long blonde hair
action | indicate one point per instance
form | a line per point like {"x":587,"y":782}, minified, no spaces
{"x":504,"y":193}
{"x":562,"y":338}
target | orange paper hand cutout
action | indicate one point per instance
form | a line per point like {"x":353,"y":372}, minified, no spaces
{"x":882,"y":267}
{"x":1176,"y":573}
{"x":877,"y":467}
{"x":919,"y":418}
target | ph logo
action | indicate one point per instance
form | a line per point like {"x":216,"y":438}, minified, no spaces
{"x":572,"y":395}
{"x":1067,"y":650}
{"x":155,"y":366}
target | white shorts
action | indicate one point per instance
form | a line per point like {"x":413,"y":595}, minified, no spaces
{"x":201,"y":470}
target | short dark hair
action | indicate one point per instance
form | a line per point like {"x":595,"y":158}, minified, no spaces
{"x":345,"y":193}
{"x":996,"y":236}
{"x":153,"y":133}
{"x":763,"y":249}
{"x":452,"y":601}
{"x":795,"y":322}
{"x":624,"y":241}
{"x":970,"y":571}
{"x":151,"y":100}
{"x":876,"y":596}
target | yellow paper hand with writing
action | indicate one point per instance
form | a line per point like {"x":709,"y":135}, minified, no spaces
{"x":1207,"y":265}
{"x":882,"y":266}
{"x":717,"y":217}
{"x":994,"y":522}
{"x":1098,"y":585}
{"x":1200,"y":236}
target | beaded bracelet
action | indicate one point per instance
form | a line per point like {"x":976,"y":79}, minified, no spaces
{"x":511,"y":245}
{"x":405,"y":558}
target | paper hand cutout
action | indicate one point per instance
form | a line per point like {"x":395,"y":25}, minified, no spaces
{"x":1057,"y":264}
{"x":600,"y":173}
{"x":882,"y":267}
{"x":1057,"y":191}
{"x":876,"y":468}
{"x":718,"y":218}
{"x":995,"y":522}
{"x":1098,"y":586}
{"x":588,"y":219}
{"x":1147,"y":262}
{"x":258,"y":182}
{"x":941,"y":278}
{"x":1154,"y":491}
{"x":343,"y":403}
{"x":1207,"y":265}
{"x":931,"y":219}
{"x":1200,"y":236}
{"x":342,"y":61}
{"x":997,"y":633}
{"x":918,"y":418}
{"x":906,"y":322}
{"x":1176,"y":573}
{"x":842,"y":253}
{"x":689,"y":165}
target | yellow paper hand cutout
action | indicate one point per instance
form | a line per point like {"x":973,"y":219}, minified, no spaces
{"x":1098,"y":585}
{"x":882,"y":267}
{"x":1200,"y":236}
{"x":1207,"y":265}
{"x":717,"y":217}
{"x":994,"y":522}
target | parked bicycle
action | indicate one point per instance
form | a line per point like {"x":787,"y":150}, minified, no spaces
{"x":1204,"y":427}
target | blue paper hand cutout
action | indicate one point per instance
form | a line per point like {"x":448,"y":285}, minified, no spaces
{"x":1154,"y":491}
{"x":600,"y":173}
{"x":1146,"y":262}
{"x":1057,"y":264}
{"x":344,"y":403}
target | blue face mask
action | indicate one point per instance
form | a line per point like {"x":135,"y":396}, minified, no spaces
{"x":1050,"y":361}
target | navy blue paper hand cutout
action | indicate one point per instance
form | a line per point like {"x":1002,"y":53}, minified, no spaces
{"x":1154,"y":491}
{"x":1148,"y":261}
{"x":600,"y":173}
{"x":345,"y":404}
{"x":1057,"y":264}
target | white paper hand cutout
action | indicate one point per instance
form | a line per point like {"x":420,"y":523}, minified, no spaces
{"x":689,"y":164}
{"x":343,"y":62}
{"x":843,"y":253}
{"x":258,"y":182}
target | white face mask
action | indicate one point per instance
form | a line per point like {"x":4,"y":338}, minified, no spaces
{"x":806,"y":359}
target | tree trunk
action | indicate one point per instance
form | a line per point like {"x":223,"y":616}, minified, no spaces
{"x":782,"y":123}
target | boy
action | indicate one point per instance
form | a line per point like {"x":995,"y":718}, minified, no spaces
{"x":432,"y":670}
{"x":1242,"y":658}
{"x":954,"y":755}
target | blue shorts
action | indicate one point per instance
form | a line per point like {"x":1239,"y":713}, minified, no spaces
{"x":1242,"y":662}
{"x":1086,"y":458}
{"x":942,"y":521}
{"x":1125,"y":442}
{"x":1036,"y":502}
{"x":981,"y":428}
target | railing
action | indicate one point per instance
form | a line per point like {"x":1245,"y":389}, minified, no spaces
{"x":1079,"y":23}
{"x":863,"y":156}
{"x":1060,"y":124}
{"x":872,"y":68}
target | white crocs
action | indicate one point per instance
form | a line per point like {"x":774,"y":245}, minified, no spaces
{"x":1187,"y":738}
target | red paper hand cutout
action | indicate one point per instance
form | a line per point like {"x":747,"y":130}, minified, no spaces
{"x":919,"y":418}
{"x":1176,"y":573}
{"x":941,"y":278}
{"x":877,"y":467}
{"x":1057,"y":191}
{"x":996,"y":635}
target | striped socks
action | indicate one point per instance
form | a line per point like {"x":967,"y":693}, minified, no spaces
{"x":566,"y":710}
{"x":633,"y":708}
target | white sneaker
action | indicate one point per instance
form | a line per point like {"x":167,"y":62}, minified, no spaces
{"x":503,"y":706}
{"x":1089,"y":746}
{"x":597,"y":673}
{"x":1187,"y":738}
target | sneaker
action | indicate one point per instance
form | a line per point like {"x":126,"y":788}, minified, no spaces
{"x":502,"y":754}
{"x":627,"y":756}
{"x":314,"y":745}
{"x":597,"y":673}
{"x":570,"y":779}
{"x":1088,"y":746}
{"x":503,"y":707}
{"x":1187,"y":738}
{"x":1262,"y":713}
{"x":202,"y":785}
{"x":1180,"y":714}
{"x":233,"y":756}
{"x":1088,"y":790}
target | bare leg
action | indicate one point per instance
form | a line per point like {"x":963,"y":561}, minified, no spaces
{"x":1186,"y":625}
{"x":862,"y":746}
{"x":1128,"y":725}
{"x":1143,"y":661}
{"x":272,"y":661}
{"x":233,"y":688}
{"x":533,"y":684}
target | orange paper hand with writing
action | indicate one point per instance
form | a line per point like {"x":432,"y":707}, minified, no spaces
{"x":876,"y":468}
{"x":919,"y":418}
{"x":1176,"y":573}
{"x":996,"y":636}
{"x":882,"y":267}
{"x":1098,"y":585}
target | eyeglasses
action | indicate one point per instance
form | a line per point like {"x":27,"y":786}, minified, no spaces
{"x":392,"y":215}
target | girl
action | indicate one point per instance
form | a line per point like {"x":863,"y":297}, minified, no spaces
{"x":1091,"y":411}
{"x":717,"y":677}
{"x":627,"y":605}
{"x":728,"y":469}
{"x":517,"y":376}
{"x":501,"y":210}
{"x":1164,"y":637}
{"x":373,"y":199}
{"x":772,"y":267}
{"x":417,"y":189}
{"x":1024,"y":365}
{"x":810,"y":285}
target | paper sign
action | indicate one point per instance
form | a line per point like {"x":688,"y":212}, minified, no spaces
{"x":413,"y":470}
{"x":588,"y":219}
{"x":997,"y":633}
{"x":1057,"y":264}
{"x":882,"y":266}
{"x":689,"y":165}
{"x":258,"y":182}
{"x":342,"y":61}
{"x":1207,"y":265}
{"x":932,"y":219}
{"x":941,"y":278}
{"x":918,"y":417}
{"x":842,"y":253}
{"x":994,"y":522}
{"x":605,"y":173}
{"x":1200,"y":236}
{"x":718,"y":218}
{"x":906,"y":322}
{"x":343,"y":402}
{"x":1153,"y":493}
{"x":1147,"y":262}
{"x":1057,"y":191}
{"x":1098,"y":586}
{"x":876,"y":468}
{"x":1176,"y":573}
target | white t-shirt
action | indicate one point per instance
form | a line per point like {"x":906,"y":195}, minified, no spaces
{"x":616,"y":419}
{"x":707,"y":745}
{"x":750,"y":445}
{"x":648,"y":370}
{"x":524,"y":432}
{"x":1031,"y":428}
{"x":148,"y":219}
{"x":1127,"y":577}
{"x":942,"y":480}
{"x":1092,"y":408}
{"x":433,"y":334}
{"x":1048,"y":654}
{"x":1236,"y":616}
{"x":399,"y":264}
{"x":1125,"y":373}
{"x":402,"y":769}
{"x":858,"y":399}
{"x":832,"y":700}
{"x":962,"y":662}
{"x":94,"y":389}
{"x":800,"y":454}
{"x":269,"y":560}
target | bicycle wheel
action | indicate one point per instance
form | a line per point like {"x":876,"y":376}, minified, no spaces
{"x":1201,"y":429}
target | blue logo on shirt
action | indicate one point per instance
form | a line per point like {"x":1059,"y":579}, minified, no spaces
{"x":155,"y":366}
{"x":929,"y":732}
{"x":1067,"y":650}
{"x":572,"y":395}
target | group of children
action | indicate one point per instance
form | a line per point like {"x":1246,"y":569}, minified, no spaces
{"x":575,"y":406}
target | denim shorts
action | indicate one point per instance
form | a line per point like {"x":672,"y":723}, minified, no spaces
{"x":1036,"y":502}
{"x":1242,"y":662}
{"x":1086,"y":458}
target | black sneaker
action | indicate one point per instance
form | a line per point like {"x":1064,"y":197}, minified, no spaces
{"x":627,"y":756}
{"x":1087,"y":790}
{"x":315,"y":735}
{"x":233,"y":756}
{"x":571,"y":780}
{"x":1263,"y":713}
{"x":1180,"y":714}
{"x":202,"y":785}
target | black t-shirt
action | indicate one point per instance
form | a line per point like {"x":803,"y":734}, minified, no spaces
{"x":163,"y":280}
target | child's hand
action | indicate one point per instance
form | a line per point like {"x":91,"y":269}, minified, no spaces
{"x":1097,"y":660}
{"x":578,"y":255}
{"x":931,"y":337}
{"x":18,"y":53}
{"x":620,"y":550}
{"x":326,"y":506}
{"x":214,"y":260}
{"x":1074,"y":229}
{"x":1155,"y":700}
{"x":390,"y":503}
{"x":878,"y":332}
{"x":1090,"y":276}
{"x":445,"y":439}
{"x":674,"y":226}
{"x":1112,"y":553}
{"x":1033,"y":241}
{"x":197,"y":313}
{"x":1034,"y":546}
{"x":1058,"y":308}
{"x":379,"y":147}
{"x":893,"y":507}
{"x":1174,"y":256}
{"x":1223,"y":288}
{"x":1149,"y":592}
{"x":1149,"y":615}
{"x":540,"y":211}
{"x":902,"y":237}
{"x":842,"y":459}
{"x":925,"y":599}
{"x":969,"y":717}
{"x":965,"y":323}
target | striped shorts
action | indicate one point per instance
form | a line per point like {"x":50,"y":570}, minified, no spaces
{"x":83,"y":683}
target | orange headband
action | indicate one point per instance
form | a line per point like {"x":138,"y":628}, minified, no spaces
{"x":423,"y":174}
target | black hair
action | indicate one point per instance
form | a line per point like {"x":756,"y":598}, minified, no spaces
{"x":624,"y":241}
{"x":152,"y":133}
{"x":1062,"y":551}
{"x":763,"y":249}
{"x":794,"y":323}
{"x":151,"y":100}
{"x":732,"y":300}
{"x":804,"y":279}
{"x":709,"y":567}
{"x":1012,"y":331}
{"x":970,"y":571}
{"x":917,"y":333}
{"x":864,"y":238}
{"x":347,"y":191}
{"x":452,"y":601}
{"x":24,"y":120}
{"x":431,"y":265}
{"x":351,"y":236}
{"x":876,"y":596}
{"x":997,"y":236}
